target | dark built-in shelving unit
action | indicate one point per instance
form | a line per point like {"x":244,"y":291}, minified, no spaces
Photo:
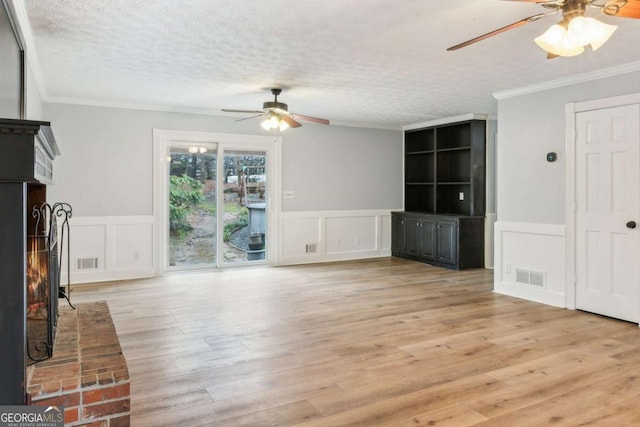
{"x":443,"y":220}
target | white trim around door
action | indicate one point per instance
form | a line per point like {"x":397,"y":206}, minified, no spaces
{"x":163,"y":139}
{"x":571,"y":110}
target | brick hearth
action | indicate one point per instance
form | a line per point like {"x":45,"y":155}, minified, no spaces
{"x":88,"y":373}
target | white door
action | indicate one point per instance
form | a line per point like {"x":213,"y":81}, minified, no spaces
{"x":607,"y":211}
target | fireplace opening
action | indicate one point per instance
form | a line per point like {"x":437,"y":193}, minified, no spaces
{"x":44,"y":266}
{"x":41,"y":307}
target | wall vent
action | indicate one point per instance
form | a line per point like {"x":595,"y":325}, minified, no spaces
{"x":311,"y":248}
{"x":83,"y":264}
{"x":530,"y":277}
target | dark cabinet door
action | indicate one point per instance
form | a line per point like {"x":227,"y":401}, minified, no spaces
{"x":447,"y":241}
{"x":413,"y":236}
{"x":428,"y":242}
{"x":398,"y":234}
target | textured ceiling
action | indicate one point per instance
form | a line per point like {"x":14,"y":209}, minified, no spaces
{"x":377,"y":62}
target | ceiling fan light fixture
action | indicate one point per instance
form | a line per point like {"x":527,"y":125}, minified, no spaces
{"x":266,"y":124}
{"x":274,"y":121}
{"x":557,"y":42}
{"x":602,"y":33}
{"x":582,"y":30}
{"x":569,"y":39}
{"x":277,"y":115}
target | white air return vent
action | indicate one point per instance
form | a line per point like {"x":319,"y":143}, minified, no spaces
{"x":530,"y":277}
{"x":83,"y":264}
{"x":311,"y":248}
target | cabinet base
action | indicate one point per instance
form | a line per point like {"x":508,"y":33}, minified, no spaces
{"x":436,"y":263}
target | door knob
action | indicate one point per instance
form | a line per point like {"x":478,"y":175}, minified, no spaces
{"x":631,"y":224}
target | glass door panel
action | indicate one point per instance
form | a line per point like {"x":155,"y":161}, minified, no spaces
{"x":245,"y":206}
{"x":192,"y":206}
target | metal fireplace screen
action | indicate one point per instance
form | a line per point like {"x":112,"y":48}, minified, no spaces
{"x":43,"y":278}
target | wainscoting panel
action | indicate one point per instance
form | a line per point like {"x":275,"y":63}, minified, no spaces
{"x":530,"y":261}
{"x":350,"y":234}
{"x":117,"y":248}
{"x":301,"y":235}
{"x":110,"y":248}
{"x":309,"y":237}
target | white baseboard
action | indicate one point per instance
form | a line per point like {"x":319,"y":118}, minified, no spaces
{"x":536,"y":295}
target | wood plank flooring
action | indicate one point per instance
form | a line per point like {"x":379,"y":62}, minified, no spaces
{"x":384,"y":342}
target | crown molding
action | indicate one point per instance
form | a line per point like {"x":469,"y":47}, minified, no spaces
{"x":446,"y":120}
{"x":567,"y":81}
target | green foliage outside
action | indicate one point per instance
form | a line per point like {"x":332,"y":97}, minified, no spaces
{"x":241,"y":219}
{"x":185,"y":193}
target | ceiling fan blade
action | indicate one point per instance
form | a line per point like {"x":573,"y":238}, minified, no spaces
{"x":226,"y":110}
{"x":251,"y":117}
{"x":628,"y":9}
{"x":311,"y":119}
{"x":501,"y":30}
{"x":288,"y":120}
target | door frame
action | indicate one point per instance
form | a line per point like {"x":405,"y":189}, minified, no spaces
{"x":571,"y":109}
{"x":162,"y":139}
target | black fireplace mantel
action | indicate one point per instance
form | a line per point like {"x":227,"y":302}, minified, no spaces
{"x":27,"y":150}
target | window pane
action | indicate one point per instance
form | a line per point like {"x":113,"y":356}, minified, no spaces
{"x":245,"y":224}
{"x":192,"y":206}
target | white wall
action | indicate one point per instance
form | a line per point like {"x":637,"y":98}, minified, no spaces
{"x":530,"y":195}
{"x":9,"y":68}
{"x":347,"y":178}
{"x":34,"y":107}
{"x":529,"y":188}
{"x":338,"y":168}
{"x":106,"y":163}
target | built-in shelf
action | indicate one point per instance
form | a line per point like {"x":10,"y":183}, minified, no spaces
{"x":444,"y":195}
{"x":454,"y":149}
{"x":421,"y":152}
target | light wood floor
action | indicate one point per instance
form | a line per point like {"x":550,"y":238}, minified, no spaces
{"x":382,"y":342}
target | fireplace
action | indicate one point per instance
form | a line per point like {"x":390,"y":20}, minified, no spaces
{"x":29,"y":249}
{"x":43,"y":275}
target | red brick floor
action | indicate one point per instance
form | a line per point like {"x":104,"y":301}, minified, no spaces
{"x":88,"y":373}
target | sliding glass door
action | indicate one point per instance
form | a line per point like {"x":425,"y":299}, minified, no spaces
{"x":245,"y":206}
{"x":192,"y":205}
{"x":214,"y":200}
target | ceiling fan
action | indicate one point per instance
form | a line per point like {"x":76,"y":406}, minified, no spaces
{"x":569,"y":36}
{"x":277,"y":114}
